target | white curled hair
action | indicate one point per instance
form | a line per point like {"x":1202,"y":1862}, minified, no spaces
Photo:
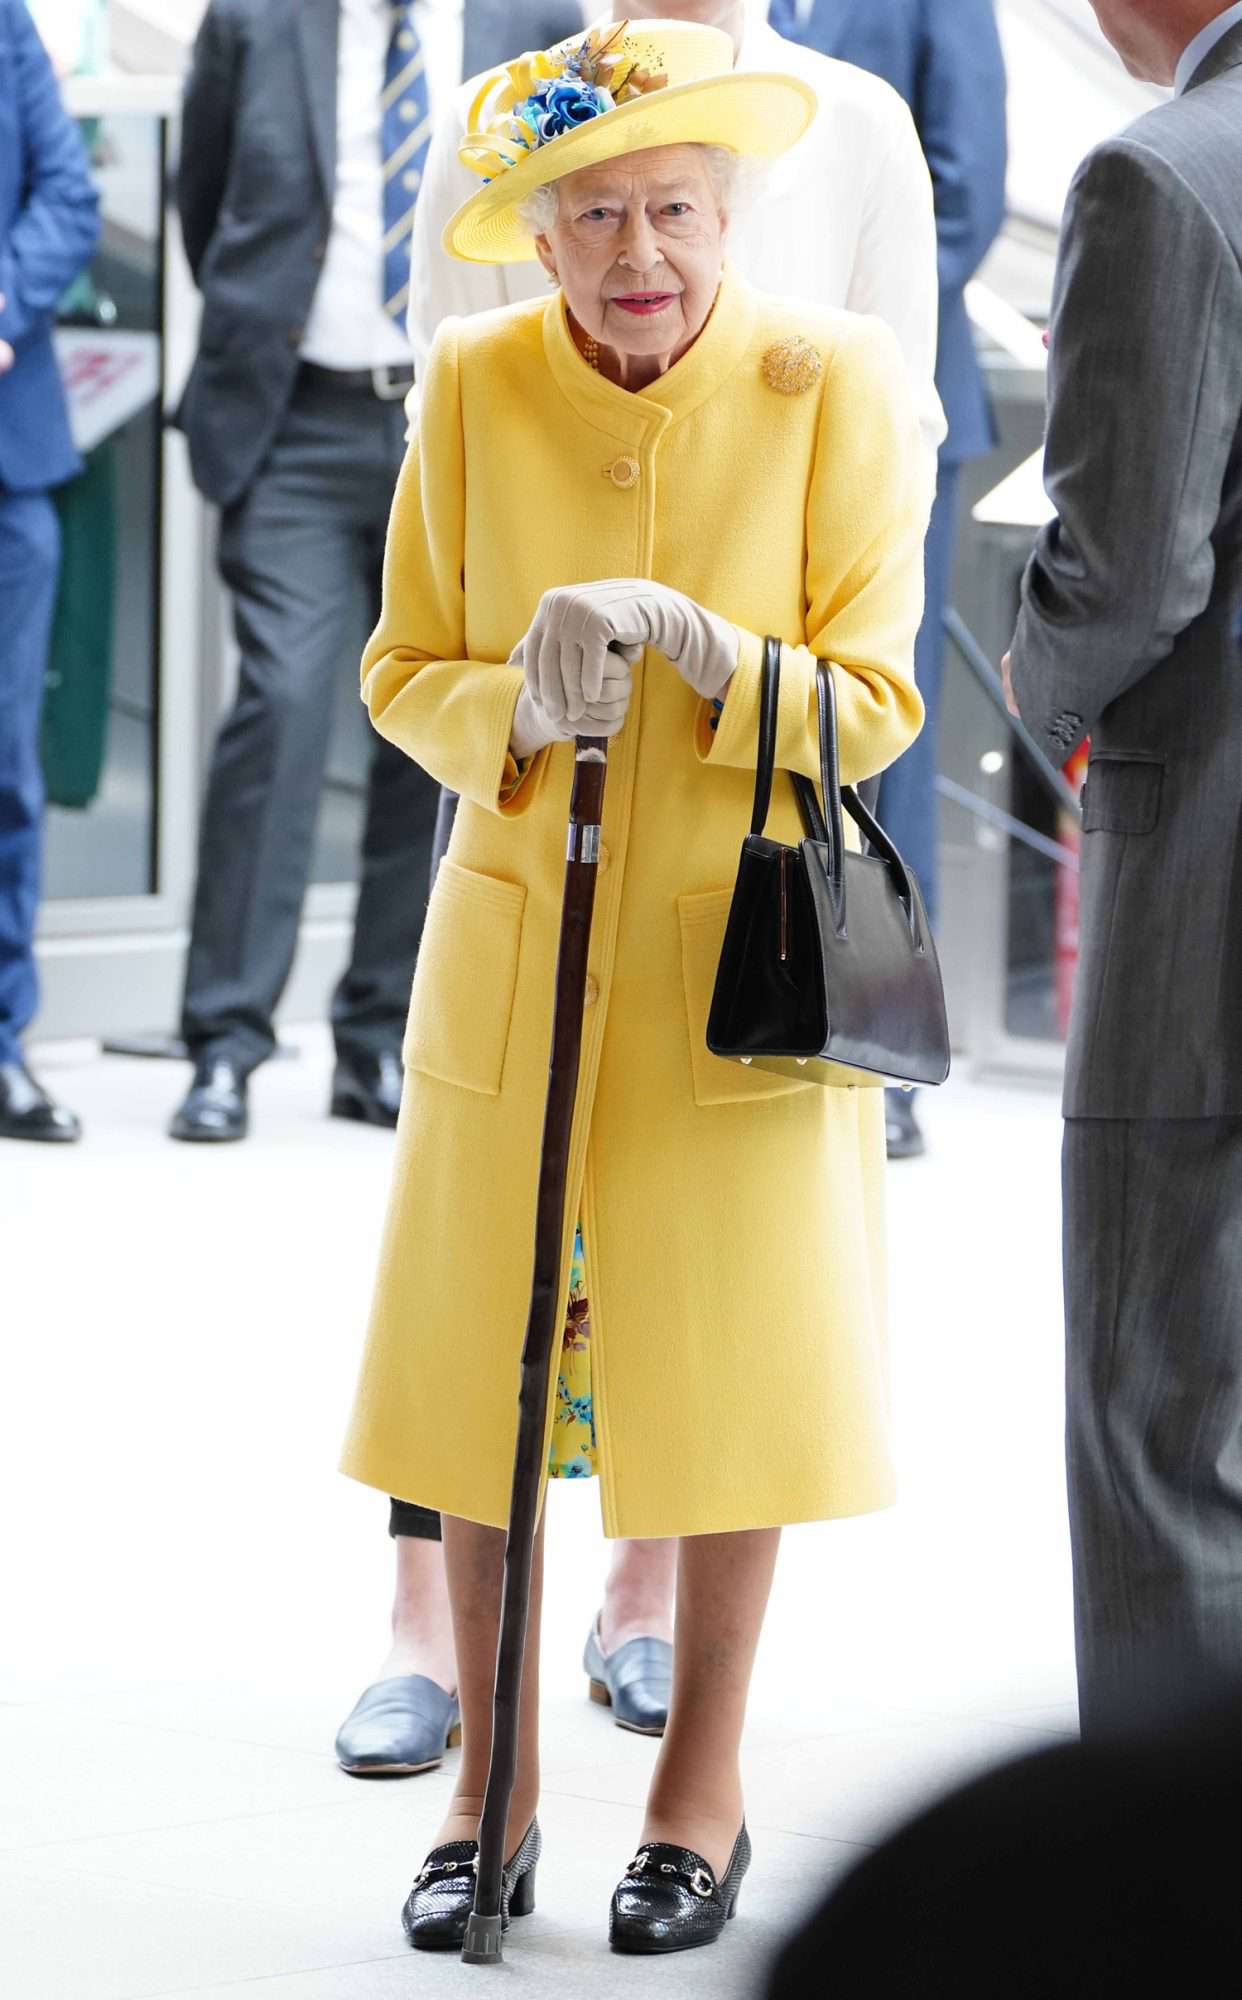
{"x":735,"y":184}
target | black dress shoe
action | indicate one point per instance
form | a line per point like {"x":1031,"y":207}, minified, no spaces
{"x":398,"y":1727}
{"x":214,"y":1110}
{"x":27,"y":1112}
{"x":669,"y":1900}
{"x":635,"y":1682}
{"x":902,"y":1133}
{"x":439,"y":1905}
{"x":368,"y":1088}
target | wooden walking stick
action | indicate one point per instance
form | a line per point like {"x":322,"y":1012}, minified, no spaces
{"x":482,"y":1944}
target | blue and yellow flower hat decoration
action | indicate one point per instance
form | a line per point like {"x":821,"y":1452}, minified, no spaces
{"x":617,"y":89}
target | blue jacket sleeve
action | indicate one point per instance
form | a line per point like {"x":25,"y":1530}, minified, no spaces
{"x":960,"y":113}
{"x":57,"y":226}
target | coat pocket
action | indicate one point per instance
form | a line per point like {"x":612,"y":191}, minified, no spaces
{"x":1123,"y":792}
{"x":717,"y":1080}
{"x":462,"y":1001}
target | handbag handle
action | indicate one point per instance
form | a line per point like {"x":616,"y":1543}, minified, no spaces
{"x":824,"y":824}
{"x":765,"y":762}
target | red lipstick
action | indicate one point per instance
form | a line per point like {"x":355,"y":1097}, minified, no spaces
{"x":642,"y":304}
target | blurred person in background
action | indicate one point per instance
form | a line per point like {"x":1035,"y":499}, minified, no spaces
{"x":847,"y":220}
{"x":49,"y":226}
{"x":944,"y":57}
{"x":1125,"y":635}
{"x":305,"y":131}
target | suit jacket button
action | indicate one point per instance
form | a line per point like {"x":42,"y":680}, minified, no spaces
{"x":591,"y":990}
{"x":623,"y":472}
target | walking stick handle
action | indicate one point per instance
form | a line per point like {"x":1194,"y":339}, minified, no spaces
{"x":482,"y":1945}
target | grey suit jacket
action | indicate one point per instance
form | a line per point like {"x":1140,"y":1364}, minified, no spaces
{"x":255,"y":190}
{"x":1126,"y":627}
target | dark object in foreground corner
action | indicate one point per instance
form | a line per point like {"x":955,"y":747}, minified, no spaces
{"x":1089,"y":1869}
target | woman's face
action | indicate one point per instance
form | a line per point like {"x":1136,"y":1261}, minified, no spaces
{"x":637,"y":248}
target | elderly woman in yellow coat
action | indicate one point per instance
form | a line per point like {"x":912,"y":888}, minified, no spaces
{"x":612,"y":495}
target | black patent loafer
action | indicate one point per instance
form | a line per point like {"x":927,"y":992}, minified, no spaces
{"x":27,"y":1112}
{"x":439,"y":1904}
{"x":367,"y":1089}
{"x":397,"y":1728}
{"x":903,"y":1135}
{"x":669,"y":1900}
{"x":214,"y":1109}
{"x":635,"y":1682}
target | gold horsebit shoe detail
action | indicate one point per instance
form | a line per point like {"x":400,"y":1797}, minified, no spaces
{"x":700,"y":1881}
{"x":623,"y":472}
{"x":792,"y":366}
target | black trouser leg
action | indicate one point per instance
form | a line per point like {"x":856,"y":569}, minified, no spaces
{"x":406,"y":1517}
{"x":1153,"y":1295}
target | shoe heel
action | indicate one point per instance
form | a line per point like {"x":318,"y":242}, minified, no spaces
{"x":600,"y":1693}
{"x":453,"y":1740}
{"x":522,"y":1901}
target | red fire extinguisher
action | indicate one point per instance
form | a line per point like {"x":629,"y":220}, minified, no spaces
{"x":1067,"y":895}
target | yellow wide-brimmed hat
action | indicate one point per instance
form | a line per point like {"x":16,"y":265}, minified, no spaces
{"x":596,"y":96}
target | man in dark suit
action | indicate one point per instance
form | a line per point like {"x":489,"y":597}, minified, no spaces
{"x":306,"y":123}
{"x":1126,"y":635}
{"x":944,"y":57}
{"x":49,"y":225}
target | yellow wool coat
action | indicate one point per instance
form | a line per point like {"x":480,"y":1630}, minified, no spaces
{"x":733,"y":1221}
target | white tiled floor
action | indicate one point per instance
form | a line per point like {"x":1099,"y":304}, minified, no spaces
{"x":191,"y":1597}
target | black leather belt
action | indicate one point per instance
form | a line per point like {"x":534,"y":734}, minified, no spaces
{"x":390,"y":384}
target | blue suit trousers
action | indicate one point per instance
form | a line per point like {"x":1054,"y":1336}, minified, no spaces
{"x":29,"y":566}
{"x":908,"y":806}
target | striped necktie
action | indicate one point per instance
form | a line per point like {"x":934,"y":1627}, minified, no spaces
{"x":404,"y":137}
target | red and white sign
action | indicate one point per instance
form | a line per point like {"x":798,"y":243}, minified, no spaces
{"x":109,"y":377}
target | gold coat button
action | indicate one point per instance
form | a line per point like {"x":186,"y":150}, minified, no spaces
{"x":590,"y":993}
{"x":623,"y":472}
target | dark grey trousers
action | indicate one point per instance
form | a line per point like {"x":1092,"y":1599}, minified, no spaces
{"x":302,"y":554}
{"x":1153,"y":1280}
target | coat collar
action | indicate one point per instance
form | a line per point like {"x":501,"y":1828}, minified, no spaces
{"x":1227,"y":54}
{"x":318,"y":24}
{"x":633,"y":417}
{"x":826,"y":28}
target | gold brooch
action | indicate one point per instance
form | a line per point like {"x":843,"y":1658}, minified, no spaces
{"x":792,"y":366}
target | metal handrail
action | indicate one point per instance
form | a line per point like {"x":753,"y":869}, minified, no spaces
{"x":973,"y":656}
{"x":1017,"y":829}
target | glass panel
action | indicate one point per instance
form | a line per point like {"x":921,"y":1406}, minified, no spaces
{"x":101,"y":712}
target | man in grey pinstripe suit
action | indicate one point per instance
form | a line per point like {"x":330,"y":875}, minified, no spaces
{"x":1126,"y":635}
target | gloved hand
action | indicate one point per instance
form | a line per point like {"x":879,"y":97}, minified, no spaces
{"x":599,"y":707}
{"x":579,"y":633}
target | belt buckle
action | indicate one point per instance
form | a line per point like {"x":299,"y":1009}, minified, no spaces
{"x":385,"y":388}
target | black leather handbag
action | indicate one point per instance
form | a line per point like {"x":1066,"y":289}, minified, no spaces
{"x":829,"y":970}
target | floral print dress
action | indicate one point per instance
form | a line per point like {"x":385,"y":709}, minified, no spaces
{"x":572,"y":1454}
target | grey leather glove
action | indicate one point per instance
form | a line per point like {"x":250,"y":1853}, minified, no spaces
{"x":584,"y":637}
{"x":701,"y":646}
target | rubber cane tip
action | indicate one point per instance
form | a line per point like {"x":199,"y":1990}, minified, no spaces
{"x":482,"y":1944}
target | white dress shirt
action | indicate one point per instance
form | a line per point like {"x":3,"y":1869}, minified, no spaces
{"x":1195,"y":53}
{"x":347,"y":326}
{"x":844,"y":219}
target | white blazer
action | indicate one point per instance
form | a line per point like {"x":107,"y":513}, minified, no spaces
{"x":845,"y":218}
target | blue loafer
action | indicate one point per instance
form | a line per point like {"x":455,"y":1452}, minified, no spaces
{"x":635,"y":1682}
{"x":398,"y":1727}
